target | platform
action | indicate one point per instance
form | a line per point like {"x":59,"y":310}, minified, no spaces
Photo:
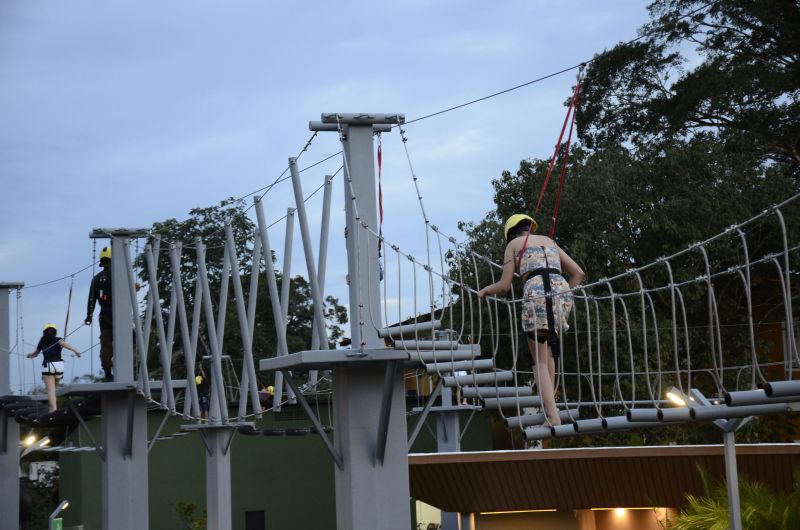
{"x":325,"y":359}
{"x":82,"y":389}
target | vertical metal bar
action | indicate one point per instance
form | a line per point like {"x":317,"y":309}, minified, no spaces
{"x":364,"y":287}
{"x":286,"y":281}
{"x":132,"y":313}
{"x":732,"y":479}
{"x":189,"y":352}
{"x":122,"y":310}
{"x":272,"y":285}
{"x":222,"y":310}
{"x":218,"y":480}
{"x":166,"y":365}
{"x":386,"y":409}
{"x":323,"y":261}
{"x":9,"y":453}
{"x":197,"y":308}
{"x":316,"y":294}
{"x":244,"y":329}
{"x":171,"y":314}
{"x":252,"y":298}
{"x":216,"y":379}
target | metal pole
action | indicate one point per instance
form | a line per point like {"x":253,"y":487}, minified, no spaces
{"x":368,"y":495}
{"x":218,"y":478}
{"x":316,"y":294}
{"x":124,"y":415}
{"x":285,"y":285}
{"x":323,"y":260}
{"x":448,"y":436}
{"x":364,"y":283}
{"x":272,"y":285}
{"x":732,"y":479}
{"x":9,"y":445}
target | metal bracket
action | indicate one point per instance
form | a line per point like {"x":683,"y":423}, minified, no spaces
{"x":466,"y":425}
{"x":337,"y":456}
{"x":229,"y":442}
{"x":3,"y":432}
{"x":100,"y":451}
{"x":424,"y":415}
{"x":158,"y":432}
{"x":129,"y":433}
{"x":386,"y":410}
{"x":205,"y":442}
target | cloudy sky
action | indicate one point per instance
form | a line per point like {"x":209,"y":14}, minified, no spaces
{"x":120,"y":114}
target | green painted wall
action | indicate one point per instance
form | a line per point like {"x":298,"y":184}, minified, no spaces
{"x":289,"y":477}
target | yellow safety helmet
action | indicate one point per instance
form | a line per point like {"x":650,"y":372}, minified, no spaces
{"x":105,"y":253}
{"x":270,"y":389}
{"x":50,"y":325}
{"x":516,"y":219}
{"x":198,"y":380}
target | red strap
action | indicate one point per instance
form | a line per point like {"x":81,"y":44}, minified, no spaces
{"x":380,"y":195}
{"x":564,"y":163}
{"x":558,"y":148}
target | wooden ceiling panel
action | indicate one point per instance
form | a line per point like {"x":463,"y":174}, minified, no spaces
{"x":587,"y":478}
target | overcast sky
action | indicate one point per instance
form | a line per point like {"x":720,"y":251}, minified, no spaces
{"x":121,"y":114}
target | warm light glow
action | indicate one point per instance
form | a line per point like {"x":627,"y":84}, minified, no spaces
{"x":636,"y":508}
{"x":29,"y":440}
{"x":619,"y":512}
{"x":65,"y":506}
{"x":519,"y":511}
{"x":675,"y":398}
{"x":44,"y":442}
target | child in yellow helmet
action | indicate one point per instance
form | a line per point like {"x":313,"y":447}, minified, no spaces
{"x":547,"y":297}
{"x":50,"y":347}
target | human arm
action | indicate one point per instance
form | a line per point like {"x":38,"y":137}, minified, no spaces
{"x":68,"y":346}
{"x":34,"y":353}
{"x":576,"y":274}
{"x":504,"y":283}
{"x":91,"y":302}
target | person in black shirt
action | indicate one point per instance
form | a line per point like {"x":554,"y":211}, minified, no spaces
{"x":100,"y":293}
{"x":50,"y":347}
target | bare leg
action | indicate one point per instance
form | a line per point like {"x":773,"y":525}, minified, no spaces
{"x":50,"y":385}
{"x":544,"y":374}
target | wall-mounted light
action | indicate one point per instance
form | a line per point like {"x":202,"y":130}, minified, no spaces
{"x":44,"y":442}
{"x":63,"y":505}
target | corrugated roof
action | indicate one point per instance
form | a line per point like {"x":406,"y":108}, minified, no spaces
{"x":599,"y":477}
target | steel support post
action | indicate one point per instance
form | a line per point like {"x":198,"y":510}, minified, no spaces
{"x":9,"y":429}
{"x":124,"y":470}
{"x":732,"y":479}
{"x":218,"y":477}
{"x":369,"y":493}
{"x":124,"y":414}
{"x":448,"y":440}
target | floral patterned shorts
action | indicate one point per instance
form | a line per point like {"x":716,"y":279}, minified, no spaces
{"x":534,"y":307}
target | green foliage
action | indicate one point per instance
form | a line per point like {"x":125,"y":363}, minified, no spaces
{"x":761,"y":508}
{"x":187,"y":514}
{"x":38,"y":499}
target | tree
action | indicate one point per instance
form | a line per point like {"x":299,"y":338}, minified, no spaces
{"x":208,"y":225}
{"x":668,"y":155}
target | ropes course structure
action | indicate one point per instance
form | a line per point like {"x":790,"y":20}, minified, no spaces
{"x":688,"y":337}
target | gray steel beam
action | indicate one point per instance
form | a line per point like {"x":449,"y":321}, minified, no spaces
{"x":732,"y":480}
{"x":124,"y":470}
{"x":364,"y":119}
{"x":9,"y":443}
{"x":316,"y":293}
{"x":191,"y":399}
{"x":218,"y":477}
{"x":778,"y":389}
{"x":332,"y":127}
{"x":322,"y":266}
{"x":424,"y":414}
{"x":286,"y":282}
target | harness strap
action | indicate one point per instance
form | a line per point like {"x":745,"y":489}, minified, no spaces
{"x":552,"y":336}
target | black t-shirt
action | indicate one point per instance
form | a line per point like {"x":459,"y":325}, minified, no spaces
{"x":50,"y":348}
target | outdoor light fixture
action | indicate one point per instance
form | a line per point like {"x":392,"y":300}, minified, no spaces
{"x":53,"y":523}
{"x":30,"y":439}
{"x":44,"y":442}
{"x":676,"y":396}
{"x":619,"y":512}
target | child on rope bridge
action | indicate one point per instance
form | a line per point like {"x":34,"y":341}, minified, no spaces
{"x":546,"y":301}
{"x":50,"y":347}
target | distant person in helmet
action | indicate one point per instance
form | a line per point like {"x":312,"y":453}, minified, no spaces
{"x":546,"y":298}
{"x":50,"y":347}
{"x":100,"y":293}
